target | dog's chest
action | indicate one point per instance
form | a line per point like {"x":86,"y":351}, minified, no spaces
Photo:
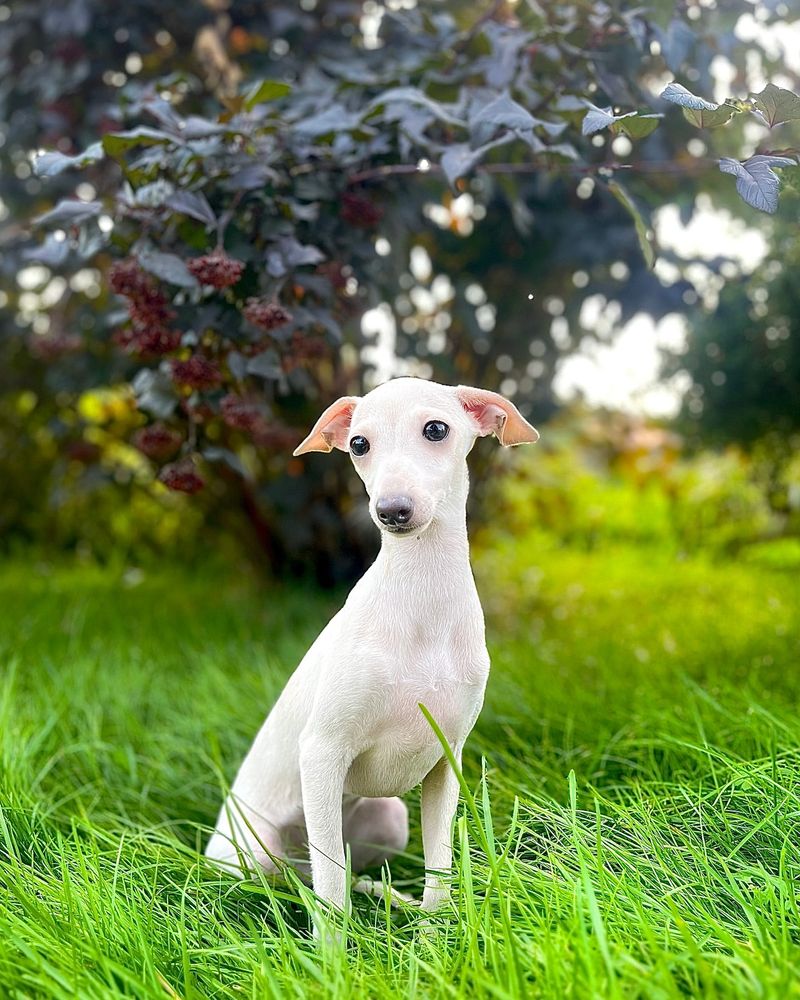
{"x":414,"y":647}
{"x":400,"y":747}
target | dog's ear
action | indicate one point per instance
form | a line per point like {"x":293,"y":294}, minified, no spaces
{"x":494,"y":414}
{"x":331,"y":430}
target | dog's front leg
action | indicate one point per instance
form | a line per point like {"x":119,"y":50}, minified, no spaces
{"x":439,"y":803}
{"x":323,"y":768}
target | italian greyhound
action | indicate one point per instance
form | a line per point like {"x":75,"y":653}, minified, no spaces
{"x":346,"y":738}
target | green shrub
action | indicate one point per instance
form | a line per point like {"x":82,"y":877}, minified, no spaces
{"x":598,"y":480}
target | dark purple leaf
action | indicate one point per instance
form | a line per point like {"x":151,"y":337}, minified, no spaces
{"x":600,"y":118}
{"x":459,"y":160}
{"x":69,"y":212}
{"x":154,"y":392}
{"x":52,"y":164}
{"x":193,"y":204}
{"x":755,"y":180}
{"x":166,"y":266}
{"x":52,"y":252}
{"x":266,"y":365}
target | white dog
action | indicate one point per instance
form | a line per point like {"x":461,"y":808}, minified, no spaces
{"x":347,"y":737}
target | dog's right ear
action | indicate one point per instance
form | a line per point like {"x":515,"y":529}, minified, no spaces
{"x":494,"y":414}
{"x":331,"y":430}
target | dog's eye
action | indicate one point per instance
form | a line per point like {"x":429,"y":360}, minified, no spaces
{"x":359,"y":445}
{"x":435,"y":430}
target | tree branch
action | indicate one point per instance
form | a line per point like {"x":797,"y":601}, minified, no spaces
{"x":679,"y":168}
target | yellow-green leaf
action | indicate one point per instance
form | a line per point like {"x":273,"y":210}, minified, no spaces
{"x":647,"y":239}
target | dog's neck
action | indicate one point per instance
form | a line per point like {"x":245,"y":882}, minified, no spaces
{"x":442,"y":549}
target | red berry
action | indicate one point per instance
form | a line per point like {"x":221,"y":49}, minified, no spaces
{"x":305,"y":347}
{"x":277,"y":437}
{"x":335,"y":272}
{"x":357,"y":210}
{"x":52,"y":345}
{"x":157,"y":441}
{"x":197,"y":373}
{"x":148,"y":341}
{"x":84,"y":452}
{"x":268,"y":315}
{"x":216,"y":269}
{"x":197,"y":412}
{"x":182,"y":476}
{"x":150,"y":335}
{"x":151,"y":309}
{"x":243,"y":414}
{"x":126,"y":277}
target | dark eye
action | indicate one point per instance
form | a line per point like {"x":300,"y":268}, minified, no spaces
{"x":435,"y":430}
{"x":359,"y":445}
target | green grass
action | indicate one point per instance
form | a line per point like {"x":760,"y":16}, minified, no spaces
{"x":633,"y":827}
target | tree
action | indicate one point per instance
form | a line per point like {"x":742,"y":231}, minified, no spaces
{"x":744,"y":356}
{"x":252,"y":223}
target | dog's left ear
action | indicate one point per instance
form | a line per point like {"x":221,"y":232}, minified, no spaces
{"x":331,"y":430}
{"x":494,"y":414}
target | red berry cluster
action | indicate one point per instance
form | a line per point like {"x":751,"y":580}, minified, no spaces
{"x":266,"y":314}
{"x":127,"y":278}
{"x":303,"y":348}
{"x":157,"y":441}
{"x":335,"y":272}
{"x":216,"y":269}
{"x":52,"y":345}
{"x":197,"y":372}
{"x":148,"y":342}
{"x":243,"y":414}
{"x":356,"y":210}
{"x":182,"y":476}
{"x":84,"y":452}
{"x":198,"y":411}
{"x":150,"y":334}
{"x":277,"y":437}
{"x":150,"y":311}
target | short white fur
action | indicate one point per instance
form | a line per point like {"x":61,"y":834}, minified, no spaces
{"x":346,"y":737}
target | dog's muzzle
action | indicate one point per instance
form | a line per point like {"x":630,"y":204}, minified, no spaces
{"x":395,"y":512}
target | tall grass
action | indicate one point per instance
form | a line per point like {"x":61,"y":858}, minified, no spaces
{"x":630,"y":826}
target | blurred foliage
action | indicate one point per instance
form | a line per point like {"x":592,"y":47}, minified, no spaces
{"x":308,"y":162}
{"x":744,"y":356}
{"x":596,"y":480}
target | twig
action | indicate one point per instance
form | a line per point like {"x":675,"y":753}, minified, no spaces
{"x":225,"y":218}
{"x":641,"y":166}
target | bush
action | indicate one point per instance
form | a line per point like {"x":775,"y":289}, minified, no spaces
{"x":594,"y":481}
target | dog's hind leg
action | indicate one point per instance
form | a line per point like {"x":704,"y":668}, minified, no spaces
{"x":243,"y":840}
{"x":375,"y":829}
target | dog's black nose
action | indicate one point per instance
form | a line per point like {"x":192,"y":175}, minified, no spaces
{"x":394,"y":512}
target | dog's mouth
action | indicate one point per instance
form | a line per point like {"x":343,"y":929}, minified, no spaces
{"x":404,"y":530}
{"x":399,"y":529}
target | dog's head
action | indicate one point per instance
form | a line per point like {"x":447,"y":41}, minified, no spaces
{"x":409,"y":439}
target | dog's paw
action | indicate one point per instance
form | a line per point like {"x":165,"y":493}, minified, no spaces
{"x":379,"y":890}
{"x":327,"y":938}
{"x":435,"y":897}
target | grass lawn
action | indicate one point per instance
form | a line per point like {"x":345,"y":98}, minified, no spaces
{"x":634,"y":830}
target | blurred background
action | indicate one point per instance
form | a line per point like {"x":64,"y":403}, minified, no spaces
{"x":218,"y":216}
